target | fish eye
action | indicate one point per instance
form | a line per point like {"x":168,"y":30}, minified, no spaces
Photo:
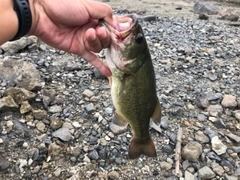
{"x":139,"y":38}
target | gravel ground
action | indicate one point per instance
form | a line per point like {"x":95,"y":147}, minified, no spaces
{"x":59,"y":126}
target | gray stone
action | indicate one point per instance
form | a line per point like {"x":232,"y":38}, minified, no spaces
{"x":164,"y":122}
{"x":21,"y":73}
{"x":39,"y":114}
{"x":236,"y":114}
{"x":113,"y":175}
{"x":93,"y":155}
{"x":63,"y":134}
{"x":88,"y":93}
{"x":19,"y":94}
{"x":56,"y":123}
{"x":218,"y":146}
{"x":229,"y":101}
{"x":233,"y":137}
{"x":25,"y":107}
{"x":189,"y":176}
{"x":8,"y":104}
{"x":199,"y":136}
{"x":206,"y":173}
{"x":90,"y":108}
{"x":40,"y":126}
{"x":236,"y":149}
{"x":217,"y":169}
{"x":205,"y":8}
{"x":55,"y":109}
{"x":230,"y":177}
{"x":191,"y":151}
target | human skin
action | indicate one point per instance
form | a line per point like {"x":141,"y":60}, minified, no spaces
{"x":71,"y":26}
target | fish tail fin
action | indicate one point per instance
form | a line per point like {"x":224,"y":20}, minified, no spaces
{"x":145,"y":147}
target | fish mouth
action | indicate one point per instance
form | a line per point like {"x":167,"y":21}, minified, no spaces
{"x":124,"y":26}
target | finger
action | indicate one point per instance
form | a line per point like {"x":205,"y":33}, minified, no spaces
{"x":100,"y":11}
{"x":103,"y":36}
{"x":97,"y":63}
{"x":93,"y":43}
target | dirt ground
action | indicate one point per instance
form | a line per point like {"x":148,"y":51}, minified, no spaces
{"x":165,"y":7}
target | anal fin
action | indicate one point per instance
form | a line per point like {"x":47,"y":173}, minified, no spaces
{"x":157,"y":114}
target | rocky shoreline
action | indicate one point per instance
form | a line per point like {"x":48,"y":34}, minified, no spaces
{"x":55,"y":125}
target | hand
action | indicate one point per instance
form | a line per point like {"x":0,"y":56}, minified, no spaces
{"x":72,"y":26}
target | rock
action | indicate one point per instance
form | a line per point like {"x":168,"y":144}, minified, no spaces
{"x":229,"y":101}
{"x":88,"y":93}
{"x":218,"y":146}
{"x":230,"y":177}
{"x":230,"y":17}
{"x":56,"y":123}
{"x":48,"y":96}
{"x":19,"y":94}
{"x":25,"y":107}
{"x":236,"y":114}
{"x":199,"y":136}
{"x":210,"y":133}
{"x":217,"y":63}
{"x":203,"y":16}
{"x":213,"y":156}
{"x":13,"y":47}
{"x":236,"y":149}
{"x":117,"y":129}
{"x":206,"y":173}
{"x":148,"y":18}
{"x":54,"y":149}
{"x":57,"y":172}
{"x":205,"y":8}
{"x":113,"y":175}
{"x":93,"y":155}
{"x":234,"y":137}
{"x":191,"y":151}
{"x":90,"y":108}
{"x":188,"y":176}
{"x":202,"y":101}
{"x":21,"y":73}
{"x":165,"y":165}
{"x":63,"y":134}
{"x":39,"y":114}
{"x":40,"y":126}
{"x":4,"y":166}
{"x":164,"y":122}
{"x":8,"y":104}
{"x":55,"y":109}
{"x":215,"y":108}
{"x":217,"y":169}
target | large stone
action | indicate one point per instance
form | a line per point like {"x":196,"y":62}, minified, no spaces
{"x":206,"y":173}
{"x":25,"y":107}
{"x":63,"y":134}
{"x":20,"y":73}
{"x":8,"y":104}
{"x":192,"y":151}
{"x":218,"y":146}
{"x":13,"y":47}
{"x":39,"y":114}
{"x":205,"y":8}
{"x":229,"y":101}
{"x":19,"y":94}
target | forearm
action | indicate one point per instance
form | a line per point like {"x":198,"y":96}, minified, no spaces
{"x":9,"y":21}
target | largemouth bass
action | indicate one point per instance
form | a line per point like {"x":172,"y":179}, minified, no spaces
{"x":133,"y":86}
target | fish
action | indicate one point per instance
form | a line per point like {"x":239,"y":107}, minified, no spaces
{"x":133,"y":83}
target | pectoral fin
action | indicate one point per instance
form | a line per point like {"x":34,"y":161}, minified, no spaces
{"x":157,"y":114}
{"x":118,"y":125}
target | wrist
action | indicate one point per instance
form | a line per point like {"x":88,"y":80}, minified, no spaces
{"x":33,"y":4}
